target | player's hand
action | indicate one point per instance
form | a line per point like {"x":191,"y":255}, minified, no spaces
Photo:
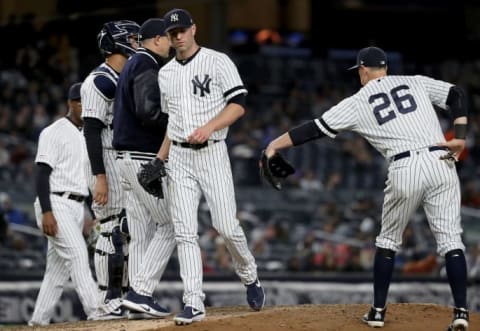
{"x":270,"y":151}
{"x":100,"y":194}
{"x":49,"y":224}
{"x":455,"y":148}
{"x":200,"y":135}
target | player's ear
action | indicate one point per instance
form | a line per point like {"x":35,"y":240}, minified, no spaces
{"x":194,"y":29}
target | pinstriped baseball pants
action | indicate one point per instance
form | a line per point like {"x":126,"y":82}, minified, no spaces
{"x":422,"y":180}
{"x":67,"y":257}
{"x":207,"y":171}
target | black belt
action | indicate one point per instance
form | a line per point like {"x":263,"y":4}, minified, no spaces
{"x":195,"y":146}
{"x":140,"y":156}
{"x":108,"y":219}
{"x":403,"y":155}
{"x":71,"y":196}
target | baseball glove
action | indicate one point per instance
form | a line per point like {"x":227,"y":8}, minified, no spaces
{"x":150,"y":177}
{"x":275,"y":169}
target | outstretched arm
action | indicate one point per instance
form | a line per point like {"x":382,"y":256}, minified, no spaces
{"x":297,"y":136}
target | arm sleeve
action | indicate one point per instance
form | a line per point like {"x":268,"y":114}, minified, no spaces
{"x":42,"y":182}
{"x":146,"y":93}
{"x":92,"y":129}
{"x":239,"y":99}
{"x":437,"y":90}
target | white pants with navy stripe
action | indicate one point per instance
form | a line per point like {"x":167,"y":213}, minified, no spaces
{"x":151,"y":230}
{"x":207,"y":171}
{"x":67,"y":257}
{"x":422,"y":180}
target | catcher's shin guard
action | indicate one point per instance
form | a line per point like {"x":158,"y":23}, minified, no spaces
{"x":115,"y":266}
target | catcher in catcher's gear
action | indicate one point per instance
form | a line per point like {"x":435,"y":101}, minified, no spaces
{"x":150,"y":177}
{"x":275,"y":169}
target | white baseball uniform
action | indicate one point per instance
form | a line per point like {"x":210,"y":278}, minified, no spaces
{"x":99,"y":105}
{"x":192,"y":93}
{"x":153,"y":230}
{"x":395,"y":114}
{"x":61,"y":146}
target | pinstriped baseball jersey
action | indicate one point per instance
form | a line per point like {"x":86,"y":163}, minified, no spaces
{"x":53,"y":149}
{"x":196,"y":91}
{"x":97,"y":104}
{"x":394,"y":113}
{"x":98,"y":94}
{"x":192,"y":93}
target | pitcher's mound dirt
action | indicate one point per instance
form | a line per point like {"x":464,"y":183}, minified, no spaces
{"x":400,"y":317}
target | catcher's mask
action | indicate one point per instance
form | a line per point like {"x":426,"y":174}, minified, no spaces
{"x":118,"y":37}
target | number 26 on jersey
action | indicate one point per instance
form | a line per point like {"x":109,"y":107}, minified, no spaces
{"x":404,"y":103}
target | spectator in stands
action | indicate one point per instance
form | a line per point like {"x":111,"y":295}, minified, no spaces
{"x":9,"y":238}
{"x":12,"y":214}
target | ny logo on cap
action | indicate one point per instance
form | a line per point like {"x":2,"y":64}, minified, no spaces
{"x":174,"y":17}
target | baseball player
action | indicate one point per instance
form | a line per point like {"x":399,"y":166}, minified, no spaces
{"x":117,"y":41}
{"x":395,"y":114}
{"x":139,"y":129}
{"x":61,"y":190}
{"x":203,"y":94}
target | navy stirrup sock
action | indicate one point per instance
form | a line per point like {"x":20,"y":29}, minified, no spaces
{"x":457,"y":276}
{"x":382,"y":275}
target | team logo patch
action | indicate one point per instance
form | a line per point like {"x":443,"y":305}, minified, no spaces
{"x":174,"y":17}
{"x":201,"y":87}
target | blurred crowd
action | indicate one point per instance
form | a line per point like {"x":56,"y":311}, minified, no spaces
{"x":322,"y":224}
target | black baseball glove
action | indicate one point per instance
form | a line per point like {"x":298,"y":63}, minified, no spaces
{"x":275,"y":169}
{"x":150,"y":177}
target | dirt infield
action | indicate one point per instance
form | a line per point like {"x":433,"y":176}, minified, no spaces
{"x":400,"y":317}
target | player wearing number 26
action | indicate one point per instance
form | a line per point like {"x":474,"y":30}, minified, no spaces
{"x":396,"y":116}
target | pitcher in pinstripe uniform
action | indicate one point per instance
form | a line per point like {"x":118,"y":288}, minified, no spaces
{"x":117,"y":41}
{"x":139,"y":128}
{"x":61,"y":189}
{"x":203,"y":94}
{"x":395,"y":114}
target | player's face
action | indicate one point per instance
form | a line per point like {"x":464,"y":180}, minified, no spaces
{"x":363,"y":74}
{"x":182,"y":39}
{"x":133,"y":40}
{"x":163,"y":46}
{"x":76,"y":110}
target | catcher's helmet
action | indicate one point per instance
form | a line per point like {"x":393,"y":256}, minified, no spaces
{"x":116,"y":37}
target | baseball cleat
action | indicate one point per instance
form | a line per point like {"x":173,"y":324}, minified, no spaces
{"x":375,"y":317}
{"x":118,"y":313}
{"x":188,"y":316}
{"x":255,"y":295}
{"x":460,"y":320}
{"x":143,"y":304}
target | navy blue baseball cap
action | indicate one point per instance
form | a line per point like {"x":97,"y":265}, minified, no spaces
{"x":177,"y":18}
{"x":151,"y":28}
{"x":370,"y":57}
{"x":74,"y":92}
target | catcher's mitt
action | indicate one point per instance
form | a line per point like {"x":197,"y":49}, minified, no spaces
{"x":150,"y":177}
{"x":275,"y":169}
